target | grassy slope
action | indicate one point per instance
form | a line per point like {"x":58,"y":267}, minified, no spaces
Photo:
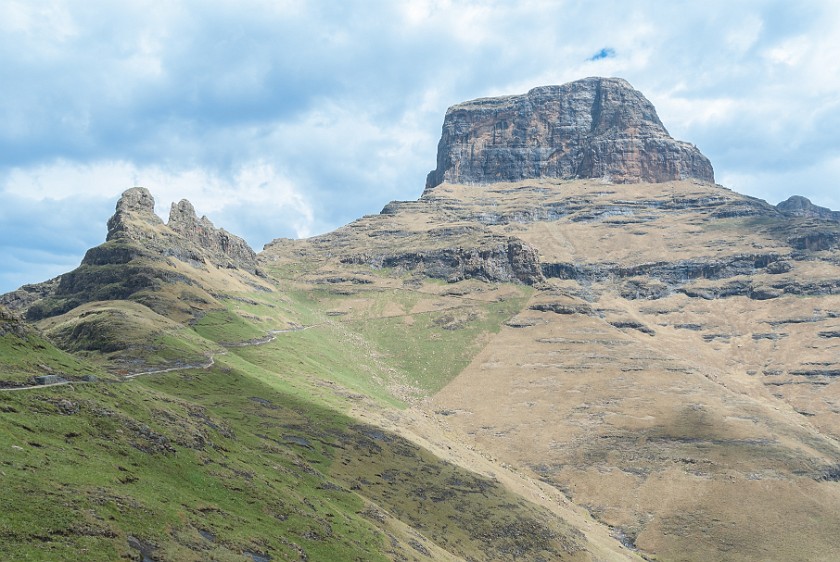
{"x":22,"y":358}
{"x":127,"y":336}
{"x":256,"y":454}
{"x":206,"y":465}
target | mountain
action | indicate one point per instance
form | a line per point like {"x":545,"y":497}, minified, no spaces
{"x":592,"y":128}
{"x":573,"y":346}
{"x":799,"y":206}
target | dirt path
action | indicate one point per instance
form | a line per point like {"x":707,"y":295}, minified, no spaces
{"x":211,"y":360}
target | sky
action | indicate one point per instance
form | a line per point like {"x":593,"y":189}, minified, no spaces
{"x":289,"y":118}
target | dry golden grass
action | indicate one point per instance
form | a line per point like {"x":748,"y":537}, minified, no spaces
{"x":681,"y":422}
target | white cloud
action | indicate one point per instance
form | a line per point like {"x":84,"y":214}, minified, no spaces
{"x":317,"y":112}
{"x":256,"y":183}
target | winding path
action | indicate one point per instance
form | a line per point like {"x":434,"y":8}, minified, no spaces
{"x":211,"y":360}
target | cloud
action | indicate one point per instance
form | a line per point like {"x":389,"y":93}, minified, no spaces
{"x":289,"y":118}
{"x":42,"y":238}
{"x":604,"y":53}
{"x":52,"y":190}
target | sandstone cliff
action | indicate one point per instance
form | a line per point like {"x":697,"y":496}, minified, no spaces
{"x":591,"y":128}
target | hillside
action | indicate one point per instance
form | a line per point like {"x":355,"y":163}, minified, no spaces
{"x":573,"y":346}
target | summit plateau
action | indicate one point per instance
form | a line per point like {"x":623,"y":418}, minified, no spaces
{"x":574,"y":345}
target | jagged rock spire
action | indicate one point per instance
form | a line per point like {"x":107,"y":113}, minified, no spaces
{"x":185,"y":236}
{"x":135,"y":204}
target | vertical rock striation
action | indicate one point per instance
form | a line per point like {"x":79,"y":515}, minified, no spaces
{"x":224,"y":248}
{"x":591,"y":128}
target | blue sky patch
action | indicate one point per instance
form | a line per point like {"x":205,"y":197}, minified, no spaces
{"x":605,"y":53}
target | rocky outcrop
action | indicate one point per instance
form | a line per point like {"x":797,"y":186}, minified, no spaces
{"x":591,"y":128}
{"x":184,"y":237}
{"x":658,"y":280}
{"x":136,"y":259}
{"x":135,"y":211}
{"x":225,"y":248}
{"x":798,"y":206}
{"x":508,"y":261}
{"x":11,"y":324}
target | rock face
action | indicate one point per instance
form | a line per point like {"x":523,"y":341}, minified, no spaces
{"x":11,"y":324}
{"x":136,"y":205}
{"x":591,"y":128}
{"x":185,"y":236}
{"x":499,"y":262}
{"x":218,"y":242}
{"x":798,"y":206}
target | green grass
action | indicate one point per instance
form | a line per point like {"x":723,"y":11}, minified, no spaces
{"x":246,"y":459}
{"x":331,"y":352}
{"x":21,"y":358}
{"x":226,"y":326}
{"x":135,"y":459}
{"x":438,"y":345}
{"x":128,"y":336}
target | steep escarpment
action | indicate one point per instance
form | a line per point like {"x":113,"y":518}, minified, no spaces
{"x":592,"y":128}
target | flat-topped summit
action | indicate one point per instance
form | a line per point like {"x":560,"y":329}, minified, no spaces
{"x":591,"y":128}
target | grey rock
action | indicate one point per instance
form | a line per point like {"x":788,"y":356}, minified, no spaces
{"x":48,"y":379}
{"x":225,"y":249}
{"x":591,"y":128}
{"x":798,"y":206}
{"x":10,"y":323}
{"x":563,"y":308}
{"x":504,"y":261}
{"x":135,"y":204}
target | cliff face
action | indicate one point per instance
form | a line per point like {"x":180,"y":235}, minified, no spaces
{"x":11,"y":324}
{"x":591,"y":128}
{"x":223,"y":247}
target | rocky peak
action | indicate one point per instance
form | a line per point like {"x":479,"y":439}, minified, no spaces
{"x":591,"y":128}
{"x":799,"y":206}
{"x":136,"y":205}
{"x":184,"y":220}
{"x":185,"y":236}
{"x":224,"y":247}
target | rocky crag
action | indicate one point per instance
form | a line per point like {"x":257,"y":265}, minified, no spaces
{"x":136,"y":262}
{"x":592,"y":128}
{"x":798,"y":206}
{"x":185,"y":237}
{"x":11,"y":324}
